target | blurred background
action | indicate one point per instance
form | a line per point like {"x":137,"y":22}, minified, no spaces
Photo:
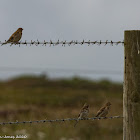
{"x":39,"y":82}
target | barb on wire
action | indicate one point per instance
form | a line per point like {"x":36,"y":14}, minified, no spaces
{"x":63,"y":43}
{"x":57,"y":120}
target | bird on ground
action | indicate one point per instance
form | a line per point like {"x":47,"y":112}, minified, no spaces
{"x":83,"y":113}
{"x":15,"y":37}
{"x":104,"y":110}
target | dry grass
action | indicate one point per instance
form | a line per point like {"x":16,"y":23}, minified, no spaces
{"x":34,"y":98}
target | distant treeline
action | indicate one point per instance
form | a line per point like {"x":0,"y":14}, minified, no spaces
{"x":31,"y":81}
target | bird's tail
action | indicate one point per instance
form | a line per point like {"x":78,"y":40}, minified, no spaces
{"x":76,"y":122}
{"x":4,"y":43}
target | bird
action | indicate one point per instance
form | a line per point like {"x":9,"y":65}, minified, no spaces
{"x":104,"y":110}
{"x":83,"y":113}
{"x":15,"y":37}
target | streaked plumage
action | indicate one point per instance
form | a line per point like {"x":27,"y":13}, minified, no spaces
{"x":83,"y":113}
{"x":15,"y":37}
{"x":104,"y":110}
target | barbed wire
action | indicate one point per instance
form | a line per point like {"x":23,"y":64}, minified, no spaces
{"x":63,"y":43}
{"x":58,"y":120}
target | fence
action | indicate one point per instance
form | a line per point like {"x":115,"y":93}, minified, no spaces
{"x":131,"y":94}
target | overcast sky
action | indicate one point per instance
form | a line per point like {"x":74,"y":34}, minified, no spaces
{"x":66,"y":20}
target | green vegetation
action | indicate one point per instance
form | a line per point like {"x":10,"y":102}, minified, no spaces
{"x":35,"y":98}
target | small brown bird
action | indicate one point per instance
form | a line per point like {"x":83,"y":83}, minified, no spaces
{"x":104,"y":110}
{"x":83,"y":114}
{"x":15,"y":37}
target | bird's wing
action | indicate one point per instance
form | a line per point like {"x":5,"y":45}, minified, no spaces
{"x":15,"y":37}
{"x":100,"y":112}
{"x":11,"y":39}
{"x":104,"y":113}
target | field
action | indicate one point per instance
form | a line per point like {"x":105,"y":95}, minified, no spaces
{"x":38,"y":97}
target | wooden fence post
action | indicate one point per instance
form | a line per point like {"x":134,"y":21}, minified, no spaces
{"x":131,"y":93}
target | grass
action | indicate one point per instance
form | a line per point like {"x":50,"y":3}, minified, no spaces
{"x":34,"y":98}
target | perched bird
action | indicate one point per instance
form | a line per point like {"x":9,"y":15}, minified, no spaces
{"x":83,"y":114}
{"x":104,"y":110}
{"x":15,"y":37}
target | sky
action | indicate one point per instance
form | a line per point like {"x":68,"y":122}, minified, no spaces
{"x":66,"y":20}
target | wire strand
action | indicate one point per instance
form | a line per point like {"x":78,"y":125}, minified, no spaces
{"x":63,"y":43}
{"x":58,"y":120}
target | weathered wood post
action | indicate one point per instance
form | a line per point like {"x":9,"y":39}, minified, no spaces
{"x":131,"y":95}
